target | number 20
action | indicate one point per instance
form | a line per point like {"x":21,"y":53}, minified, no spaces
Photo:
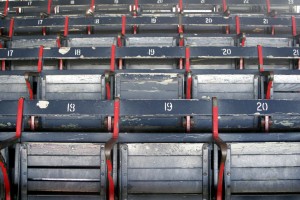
{"x":226,"y":52}
{"x":262,"y":107}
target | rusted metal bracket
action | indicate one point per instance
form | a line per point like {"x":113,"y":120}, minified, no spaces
{"x":269,"y":85}
{"x":33,"y":122}
{"x":260,"y":58}
{"x":222,"y":145}
{"x":240,"y":41}
{"x":4,"y":38}
{"x":19,"y":126}
{"x":267,"y":119}
{"x":181,"y":38}
{"x":111,"y":186}
{"x":5,"y":178}
{"x":226,"y":14}
{"x":2,"y":61}
{"x":108,"y":148}
{"x":134,"y":9}
{"x":19,"y":123}
{"x":120,"y":39}
{"x":108,"y":120}
{"x":296,"y":39}
{"x":10,"y":142}
{"x":27,"y":75}
{"x":188,"y":96}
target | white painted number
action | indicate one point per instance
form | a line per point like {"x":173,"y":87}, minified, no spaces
{"x":262,"y":106}
{"x":29,"y":3}
{"x":160,"y":1}
{"x":208,"y":20}
{"x":153,"y":20}
{"x":168,"y":106}
{"x":77,"y":52}
{"x":40,"y":22}
{"x":246,"y":1}
{"x":116,"y":1}
{"x":202,"y":1}
{"x":71,"y":107}
{"x":151,"y":52}
{"x":10,"y":53}
{"x":265,"y":21}
{"x":97,"y":21}
{"x":291,"y":2}
{"x":296,"y":52}
{"x":226,"y":52}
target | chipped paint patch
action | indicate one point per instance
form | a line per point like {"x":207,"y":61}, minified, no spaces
{"x":42,"y":104}
{"x":70,"y":126}
{"x":206,"y":98}
{"x":284,"y":123}
{"x":257,"y":30}
{"x":6,"y":125}
{"x":64,"y":50}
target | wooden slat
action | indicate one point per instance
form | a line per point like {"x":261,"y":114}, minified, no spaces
{"x":67,"y":149}
{"x":63,"y":174}
{"x":150,"y":95}
{"x":213,"y":41}
{"x":13,"y":96}
{"x":150,"y":85}
{"x":266,"y":197}
{"x":164,"y":161}
{"x":9,"y":79}
{"x":226,"y":88}
{"x":55,"y":186}
{"x":72,"y":96}
{"x":223,"y":95}
{"x":74,"y":88}
{"x":286,"y":79}
{"x":163,"y":187}
{"x":64,"y":161}
{"x":270,"y":148}
{"x":265,"y":160}
{"x":225,"y":79}
{"x":58,"y":79}
{"x":289,"y":96}
{"x":270,"y":42}
{"x":148,"y":41}
{"x":27,"y":43}
{"x":91,"y":42}
{"x":166,"y":197}
{"x":64,"y":197}
{"x":13,"y":88}
{"x":165,"y":174}
{"x":265,"y":186}
{"x":152,"y":149}
{"x":287,"y":87}
{"x":146,"y":76}
{"x":251,"y":174}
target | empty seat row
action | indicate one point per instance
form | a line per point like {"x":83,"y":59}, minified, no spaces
{"x":70,"y":85}
{"x":30,"y":8}
{"x":156,"y":171}
{"x":145,"y":41}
